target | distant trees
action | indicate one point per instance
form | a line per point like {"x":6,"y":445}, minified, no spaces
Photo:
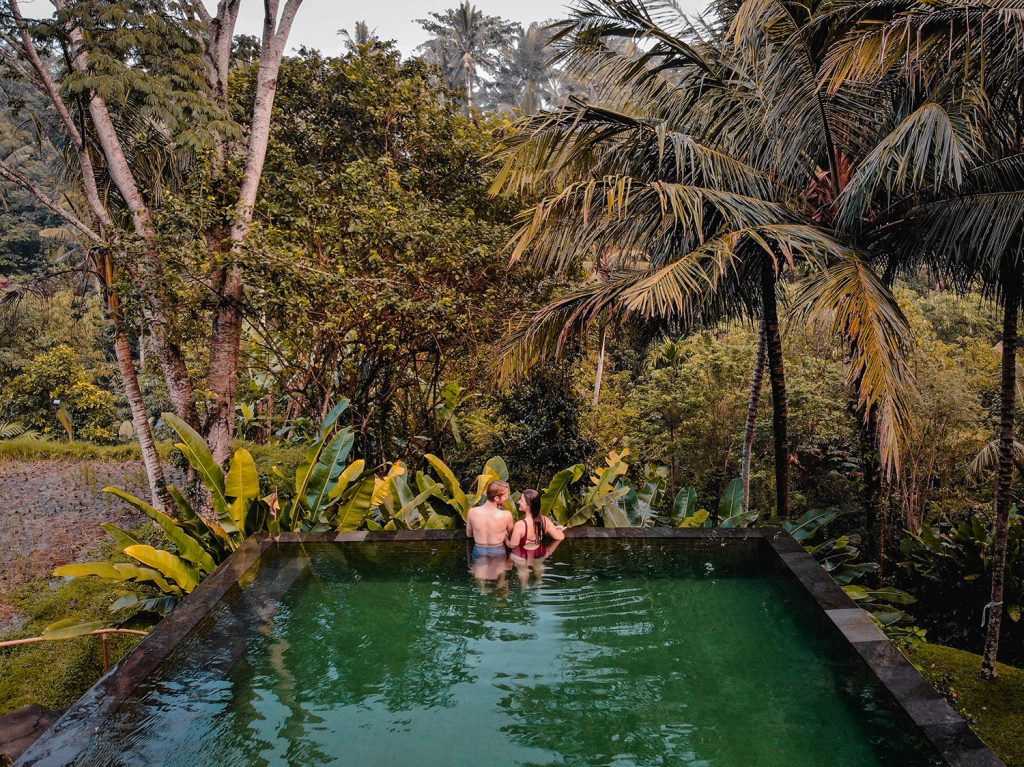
{"x":496,"y":64}
{"x":465,"y":43}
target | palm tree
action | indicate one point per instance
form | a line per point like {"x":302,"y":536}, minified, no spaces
{"x":465,"y":42}
{"x":524,"y":77}
{"x":950,"y":172}
{"x":361,"y":35}
{"x":677,"y":174}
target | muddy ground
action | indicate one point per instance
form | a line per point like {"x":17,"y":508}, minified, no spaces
{"x":50,"y":514}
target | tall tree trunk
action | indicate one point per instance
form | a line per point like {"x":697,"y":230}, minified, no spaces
{"x":777,"y":376}
{"x":872,"y":497}
{"x":751,"y":425}
{"x":599,"y":378}
{"x":1004,"y":473}
{"x":140,"y":420}
{"x":226,"y":337}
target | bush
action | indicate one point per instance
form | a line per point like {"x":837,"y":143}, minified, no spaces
{"x":949,"y":571}
{"x":58,"y":375}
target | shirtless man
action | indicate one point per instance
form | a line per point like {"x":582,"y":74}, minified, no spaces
{"x":489,"y":524}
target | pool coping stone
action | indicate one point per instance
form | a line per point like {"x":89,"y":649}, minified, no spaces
{"x":940,"y":725}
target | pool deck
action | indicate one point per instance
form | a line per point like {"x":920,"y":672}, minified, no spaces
{"x":939,"y":723}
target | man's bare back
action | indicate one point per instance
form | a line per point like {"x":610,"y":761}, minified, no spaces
{"x":489,"y":524}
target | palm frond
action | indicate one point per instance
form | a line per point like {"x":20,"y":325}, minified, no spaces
{"x":931,"y":148}
{"x":987,"y":458}
{"x":847,"y":298}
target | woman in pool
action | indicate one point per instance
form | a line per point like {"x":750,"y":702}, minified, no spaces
{"x":527,"y":539}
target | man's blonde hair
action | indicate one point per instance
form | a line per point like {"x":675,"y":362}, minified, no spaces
{"x":496,"y":489}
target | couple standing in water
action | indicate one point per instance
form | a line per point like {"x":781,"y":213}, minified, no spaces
{"x":499,"y":540}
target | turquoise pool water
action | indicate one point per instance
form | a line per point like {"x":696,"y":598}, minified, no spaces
{"x":619,"y":653}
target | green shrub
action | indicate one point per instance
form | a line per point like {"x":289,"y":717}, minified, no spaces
{"x":58,"y":375}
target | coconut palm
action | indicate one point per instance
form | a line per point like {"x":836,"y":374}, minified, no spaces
{"x":465,"y":42}
{"x":678,"y":173}
{"x":362,"y":34}
{"x":947,"y":180}
{"x":524,"y":77}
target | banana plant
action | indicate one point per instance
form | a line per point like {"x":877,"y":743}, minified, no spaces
{"x":730,"y":507}
{"x":641,"y":505}
{"x":685,"y":512}
{"x":556,"y":499}
{"x":327,"y":491}
{"x":397,"y":506}
{"x":450,"y":500}
{"x":194,"y":544}
{"x":603,"y":495}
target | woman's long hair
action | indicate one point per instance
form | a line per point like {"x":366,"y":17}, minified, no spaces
{"x":533,"y":501}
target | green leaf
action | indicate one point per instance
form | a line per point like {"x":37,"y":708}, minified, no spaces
{"x":70,"y":628}
{"x":188,"y":547}
{"x":698,"y":519}
{"x":198,"y":454}
{"x":121,"y":537}
{"x":352,"y":471}
{"x":554,"y":501}
{"x":327,"y":470}
{"x":451,"y":484}
{"x":332,"y":417}
{"x":683,"y":506}
{"x":1014,"y":612}
{"x":169,"y":565}
{"x":243,"y":480}
{"x":731,"y":503}
{"x":809,"y":524}
{"x":119,"y":571}
{"x":355,"y":509}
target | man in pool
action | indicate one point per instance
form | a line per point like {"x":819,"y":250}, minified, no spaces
{"x":490,"y":524}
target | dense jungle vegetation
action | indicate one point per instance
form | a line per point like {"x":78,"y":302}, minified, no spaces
{"x":571,"y":255}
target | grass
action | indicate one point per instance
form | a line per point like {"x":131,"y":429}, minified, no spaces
{"x":55,"y":674}
{"x":994,"y":709}
{"x":287,"y":457}
{"x":33,"y":449}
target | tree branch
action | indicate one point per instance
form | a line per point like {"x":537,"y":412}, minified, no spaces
{"x":19,"y":178}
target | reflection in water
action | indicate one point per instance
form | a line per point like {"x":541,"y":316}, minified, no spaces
{"x":624,"y":653}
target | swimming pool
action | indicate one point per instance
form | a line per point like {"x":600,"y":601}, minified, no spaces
{"x":623,"y":648}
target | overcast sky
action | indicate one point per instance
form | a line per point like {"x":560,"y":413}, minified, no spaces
{"x":318,"y":21}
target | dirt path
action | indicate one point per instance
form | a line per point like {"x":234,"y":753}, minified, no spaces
{"x":51,"y":510}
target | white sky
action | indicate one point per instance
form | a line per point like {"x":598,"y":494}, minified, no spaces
{"x":318,"y":21}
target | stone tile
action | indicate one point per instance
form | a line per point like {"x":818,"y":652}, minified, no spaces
{"x":856,"y":625}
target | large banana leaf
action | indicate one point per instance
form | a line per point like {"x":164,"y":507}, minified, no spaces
{"x":554,"y":501}
{"x":195,"y":449}
{"x":121,"y":537}
{"x":213,"y":535}
{"x":457,"y":497}
{"x":72,"y":627}
{"x":327,"y":470}
{"x":353,"y":470}
{"x":243,"y":480}
{"x":731,"y":502}
{"x":332,"y":418}
{"x":810,"y":523}
{"x":684,"y":507}
{"x":494,"y":470}
{"x":356,"y":507}
{"x":117,"y":571}
{"x":188,"y":547}
{"x":642,"y":506}
{"x":383,"y":487}
{"x":614,"y":515}
{"x":169,"y":565}
{"x":411,"y":511}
